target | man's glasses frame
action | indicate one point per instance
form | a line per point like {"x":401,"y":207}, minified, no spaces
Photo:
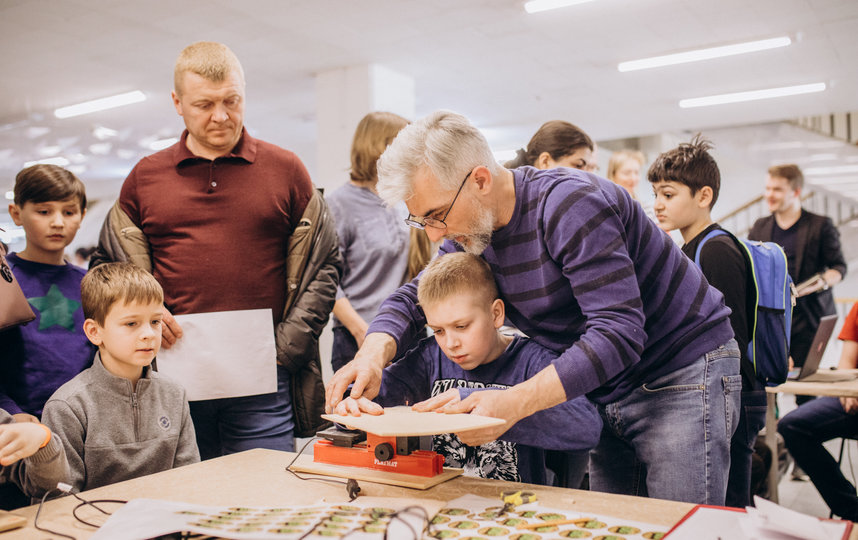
{"x":422,"y":222}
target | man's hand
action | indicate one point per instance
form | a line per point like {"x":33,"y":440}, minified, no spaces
{"x":170,"y":329}
{"x":495,"y":403}
{"x":354,"y":407}
{"x":24,"y":417}
{"x":850,"y":404}
{"x":20,"y":440}
{"x":364,"y":371}
{"x":434,"y":403}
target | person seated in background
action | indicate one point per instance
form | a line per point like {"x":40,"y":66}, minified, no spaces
{"x":822,"y":419}
{"x":379,"y":251}
{"x":30,"y":457}
{"x":556,"y":144}
{"x":686,"y":182}
{"x":624,"y":169}
{"x":468,"y":353}
{"x":119,"y":419}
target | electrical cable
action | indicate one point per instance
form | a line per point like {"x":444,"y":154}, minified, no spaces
{"x":38,"y":513}
{"x":352,"y":487}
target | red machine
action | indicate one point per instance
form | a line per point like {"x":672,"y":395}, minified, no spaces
{"x":400,"y":455}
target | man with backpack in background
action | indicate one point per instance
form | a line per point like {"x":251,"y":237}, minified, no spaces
{"x":686,"y":182}
{"x":812,"y":246}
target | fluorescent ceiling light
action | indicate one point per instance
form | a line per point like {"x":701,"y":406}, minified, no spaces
{"x":535,"y":6}
{"x":752,"y":95}
{"x":10,"y":195}
{"x":160,"y":144}
{"x":59,"y":161}
{"x":101,"y":133}
{"x":704,"y":54}
{"x":835,"y":169}
{"x":100,"y":104}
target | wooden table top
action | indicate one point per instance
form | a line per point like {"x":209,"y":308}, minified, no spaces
{"x":258,"y":478}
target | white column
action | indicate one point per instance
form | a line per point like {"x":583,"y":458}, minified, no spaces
{"x":343,"y":97}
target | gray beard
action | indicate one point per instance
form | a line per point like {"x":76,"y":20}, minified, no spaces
{"x":482,"y":226}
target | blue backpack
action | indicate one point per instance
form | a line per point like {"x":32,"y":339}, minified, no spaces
{"x":768,"y":348}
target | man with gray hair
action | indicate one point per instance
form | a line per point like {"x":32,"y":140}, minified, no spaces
{"x":215,"y":217}
{"x":584,"y":272}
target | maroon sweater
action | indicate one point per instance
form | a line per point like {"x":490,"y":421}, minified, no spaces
{"x":219,"y":230}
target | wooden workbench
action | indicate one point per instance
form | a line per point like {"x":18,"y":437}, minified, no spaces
{"x":258,"y":478}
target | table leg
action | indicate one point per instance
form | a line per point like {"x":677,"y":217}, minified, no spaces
{"x":772,"y":443}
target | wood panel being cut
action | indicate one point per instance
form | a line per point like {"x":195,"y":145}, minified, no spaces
{"x":402,"y":421}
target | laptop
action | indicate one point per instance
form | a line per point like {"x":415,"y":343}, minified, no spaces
{"x":809,"y":372}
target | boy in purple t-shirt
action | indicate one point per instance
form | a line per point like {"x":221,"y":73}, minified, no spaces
{"x":468,"y":353}
{"x":37,"y":358}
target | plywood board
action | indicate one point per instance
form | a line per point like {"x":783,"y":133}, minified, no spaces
{"x":306,"y":464}
{"x":402,"y":421}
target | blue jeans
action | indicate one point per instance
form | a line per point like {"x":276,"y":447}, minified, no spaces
{"x":804,"y":430}
{"x":670,"y":437}
{"x":752,"y":418}
{"x":343,"y":348}
{"x":230,"y":425}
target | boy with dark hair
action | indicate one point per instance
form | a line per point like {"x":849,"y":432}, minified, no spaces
{"x":49,"y":202}
{"x":468,"y":353}
{"x":119,"y":419}
{"x":36,"y":359}
{"x":686,"y":182}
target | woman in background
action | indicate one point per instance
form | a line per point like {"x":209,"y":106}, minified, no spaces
{"x":380,"y":252}
{"x":624,"y":169}
{"x":556,"y":144}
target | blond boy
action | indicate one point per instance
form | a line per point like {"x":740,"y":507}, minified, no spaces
{"x":119,"y":419}
{"x":468,"y":353}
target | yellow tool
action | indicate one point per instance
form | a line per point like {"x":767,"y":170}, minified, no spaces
{"x":511,"y":499}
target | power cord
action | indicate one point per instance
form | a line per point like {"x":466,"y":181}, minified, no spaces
{"x":67,"y":489}
{"x":352,"y":487}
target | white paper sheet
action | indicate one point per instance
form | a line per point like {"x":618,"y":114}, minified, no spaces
{"x":223,"y":354}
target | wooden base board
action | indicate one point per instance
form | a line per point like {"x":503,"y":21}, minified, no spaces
{"x":307,"y":465}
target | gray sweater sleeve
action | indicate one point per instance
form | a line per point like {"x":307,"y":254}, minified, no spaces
{"x":40,"y":472}
{"x":187,"y":451}
{"x":63,"y":421}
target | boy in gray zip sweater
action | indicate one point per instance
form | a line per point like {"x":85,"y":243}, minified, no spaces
{"x":119,"y":419}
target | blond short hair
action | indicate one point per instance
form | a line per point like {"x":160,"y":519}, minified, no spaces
{"x":621,"y":156}
{"x":457,"y":274}
{"x":208,"y":59}
{"x":106,"y":284}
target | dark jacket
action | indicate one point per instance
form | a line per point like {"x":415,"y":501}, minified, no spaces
{"x":313,"y":267}
{"x":817,"y":247}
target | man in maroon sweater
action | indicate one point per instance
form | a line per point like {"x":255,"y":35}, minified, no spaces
{"x":217,"y":210}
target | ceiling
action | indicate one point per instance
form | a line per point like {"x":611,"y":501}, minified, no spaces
{"x":506,"y":70}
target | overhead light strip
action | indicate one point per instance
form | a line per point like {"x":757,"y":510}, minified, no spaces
{"x":704,"y":54}
{"x":102,"y":104}
{"x":535,"y":6}
{"x":752,"y":95}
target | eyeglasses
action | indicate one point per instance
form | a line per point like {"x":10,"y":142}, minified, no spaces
{"x":423,"y":222}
